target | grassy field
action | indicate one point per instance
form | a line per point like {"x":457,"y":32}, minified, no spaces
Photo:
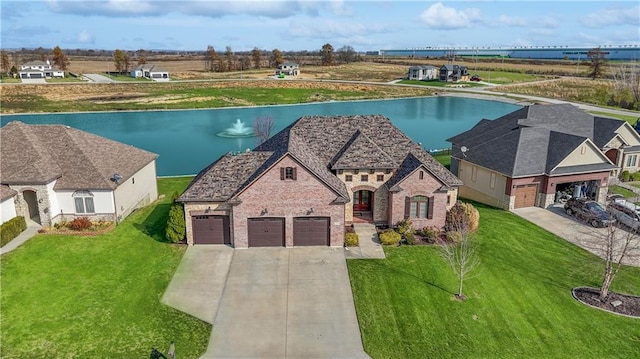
{"x":97,"y":297}
{"x":507,"y":77}
{"x":631,"y":119}
{"x":519,"y":305}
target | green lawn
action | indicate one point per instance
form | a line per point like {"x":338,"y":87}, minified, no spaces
{"x":621,"y":190}
{"x":437,"y":83}
{"x":631,"y":119}
{"x":506,"y":77}
{"x":97,"y":297}
{"x":519,"y":306}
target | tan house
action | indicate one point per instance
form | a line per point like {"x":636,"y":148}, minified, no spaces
{"x":310,"y":180}
{"x":54,"y":173}
{"x":527,"y":157}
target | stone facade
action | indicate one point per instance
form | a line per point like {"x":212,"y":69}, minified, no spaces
{"x":42,"y":202}
{"x":380,"y":205}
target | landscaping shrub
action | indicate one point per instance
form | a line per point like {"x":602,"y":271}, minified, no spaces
{"x":431,"y":234}
{"x":405,"y":227}
{"x":176,"y":228}
{"x":462,"y":216}
{"x":624,"y":176}
{"x":351,"y":239}
{"x":410,"y":238}
{"x":79,"y":224}
{"x":390,"y":237}
{"x":635,"y":176}
{"x":11,"y":229}
{"x":454,"y":236}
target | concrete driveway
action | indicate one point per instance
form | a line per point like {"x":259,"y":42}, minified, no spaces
{"x":270,"y":302}
{"x":556,"y":221}
{"x":98,"y":78}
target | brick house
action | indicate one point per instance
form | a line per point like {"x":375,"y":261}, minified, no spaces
{"x":310,"y":180}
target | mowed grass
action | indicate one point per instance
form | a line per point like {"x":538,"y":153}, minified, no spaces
{"x":519,"y":305}
{"x":98,"y":297}
{"x":621,"y":190}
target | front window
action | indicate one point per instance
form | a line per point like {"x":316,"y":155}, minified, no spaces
{"x":419,"y":207}
{"x":631,"y":160}
{"x":348,"y":178}
{"x":84,"y":202}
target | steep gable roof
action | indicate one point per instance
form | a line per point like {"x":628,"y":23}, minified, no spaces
{"x":605,"y":129}
{"x":39,"y":154}
{"x":361,"y":152}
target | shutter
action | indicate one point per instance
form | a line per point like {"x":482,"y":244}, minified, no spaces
{"x":430,"y":210}
{"x":295,"y":175}
{"x":407,"y":207}
{"x":282,"y":173}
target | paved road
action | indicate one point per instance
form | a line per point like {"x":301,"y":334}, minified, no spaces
{"x":98,"y":78}
{"x":557,"y":222}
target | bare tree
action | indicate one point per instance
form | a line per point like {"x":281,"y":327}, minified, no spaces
{"x":231,"y":59}
{"x":256,"y":57}
{"x":461,"y":251}
{"x":326,"y":55}
{"x":598,"y":60}
{"x":616,"y":247}
{"x":276,"y":57}
{"x":346,"y":54}
{"x":627,"y":79}
{"x":210,"y":59}
{"x":262,"y":127}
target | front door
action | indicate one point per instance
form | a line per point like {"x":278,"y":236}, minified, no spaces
{"x":362,"y":201}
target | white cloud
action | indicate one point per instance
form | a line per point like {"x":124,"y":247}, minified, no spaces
{"x":84,"y":37}
{"x":612,"y":17}
{"x":512,"y":20}
{"x":438,"y":16}
{"x":330,"y":29}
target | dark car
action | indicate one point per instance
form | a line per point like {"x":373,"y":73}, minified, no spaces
{"x":475,"y":78}
{"x":591,"y":212}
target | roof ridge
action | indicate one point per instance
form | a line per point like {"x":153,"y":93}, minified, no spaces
{"x":71,"y":134}
{"x":37,"y":146}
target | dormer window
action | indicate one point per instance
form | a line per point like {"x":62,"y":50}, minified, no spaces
{"x":288,"y":173}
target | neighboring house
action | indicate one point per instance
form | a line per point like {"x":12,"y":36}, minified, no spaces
{"x":313,"y":178}
{"x":453,"y":73}
{"x":527,"y":157}
{"x":39,"y":70}
{"x":288,"y":68}
{"x":151,"y":72}
{"x":7,"y":205}
{"x":422,"y":73}
{"x":60,"y":173}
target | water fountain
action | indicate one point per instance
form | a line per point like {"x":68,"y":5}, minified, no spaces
{"x":238,"y":130}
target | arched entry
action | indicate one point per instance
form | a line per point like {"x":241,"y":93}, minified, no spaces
{"x":362,"y":200}
{"x":31,"y":199}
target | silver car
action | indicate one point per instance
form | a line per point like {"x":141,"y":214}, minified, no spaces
{"x":627,"y":213}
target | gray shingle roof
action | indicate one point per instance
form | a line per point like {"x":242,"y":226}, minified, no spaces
{"x":6,"y":192}
{"x":529,"y":141}
{"x":604,"y":130}
{"x":318,"y":143}
{"x":38,"y":154}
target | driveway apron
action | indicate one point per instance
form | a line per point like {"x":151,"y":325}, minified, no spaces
{"x":287,"y":303}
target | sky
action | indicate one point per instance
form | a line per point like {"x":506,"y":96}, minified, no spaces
{"x":307,"y":25}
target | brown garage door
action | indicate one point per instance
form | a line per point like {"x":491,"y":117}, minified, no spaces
{"x":211,"y":229}
{"x":266,"y":232}
{"x":311,"y":231}
{"x":526,"y":195}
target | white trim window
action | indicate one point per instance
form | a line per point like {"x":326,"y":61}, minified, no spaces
{"x":632,"y":160}
{"x":83,"y":201}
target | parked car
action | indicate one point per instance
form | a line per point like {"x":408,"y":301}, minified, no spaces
{"x":626,"y":213}
{"x":591,"y":212}
{"x":475,"y":78}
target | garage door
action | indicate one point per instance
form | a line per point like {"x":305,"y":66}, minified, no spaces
{"x":266,"y":232}
{"x":211,"y":229}
{"x":311,"y":231}
{"x":526,"y":195}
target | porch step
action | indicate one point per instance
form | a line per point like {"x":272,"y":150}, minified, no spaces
{"x":369,"y":243}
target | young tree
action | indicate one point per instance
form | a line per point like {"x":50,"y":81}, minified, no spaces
{"x":121,"y":61}
{"x":210,"y":59}
{"x":627,"y":80}
{"x":231,"y":59}
{"x":262,"y":127}
{"x":277,"y":57}
{"x":5,"y":64}
{"x":461,"y":252}
{"x":176,"y":228}
{"x":326,"y":55}
{"x":256,"y":57}
{"x":598,"y":60}
{"x":59,"y":58}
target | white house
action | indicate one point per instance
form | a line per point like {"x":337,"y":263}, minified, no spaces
{"x":54,"y":173}
{"x":39,"y":70}
{"x":151,"y":72}
{"x":422,"y":73}
{"x":288,"y":68}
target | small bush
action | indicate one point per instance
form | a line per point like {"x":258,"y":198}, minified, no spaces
{"x":410,"y":238}
{"x":390,"y":237}
{"x":454,"y":237}
{"x":405,"y":227}
{"x":431,"y":233}
{"x":635,"y":176}
{"x":462,"y":216}
{"x":624,"y":176}
{"x":11,"y":229}
{"x":79,"y":224}
{"x":351,"y":239}
{"x":176,"y":228}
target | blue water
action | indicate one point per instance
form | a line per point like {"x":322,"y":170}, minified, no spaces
{"x":186,"y":140}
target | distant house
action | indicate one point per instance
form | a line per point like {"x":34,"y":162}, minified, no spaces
{"x":54,"y":173}
{"x":526,"y":157}
{"x":422,"y":73}
{"x":39,"y":70}
{"x":304,"y":184}
{"x":453,"y":73}
{"x":288,"y":68}
{"x":152,"y":72}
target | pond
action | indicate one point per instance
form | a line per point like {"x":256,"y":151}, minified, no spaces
{"x":189,"y":140}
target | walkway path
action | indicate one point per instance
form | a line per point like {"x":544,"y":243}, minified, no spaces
{"x":32,"y":230}
{"x":369,"y":243}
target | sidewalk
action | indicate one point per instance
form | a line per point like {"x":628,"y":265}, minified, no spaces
{"x":369,"y":244}
{"x":32,"y":230}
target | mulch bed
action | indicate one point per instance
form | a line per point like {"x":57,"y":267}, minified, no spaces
{"x":590,"y":296}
